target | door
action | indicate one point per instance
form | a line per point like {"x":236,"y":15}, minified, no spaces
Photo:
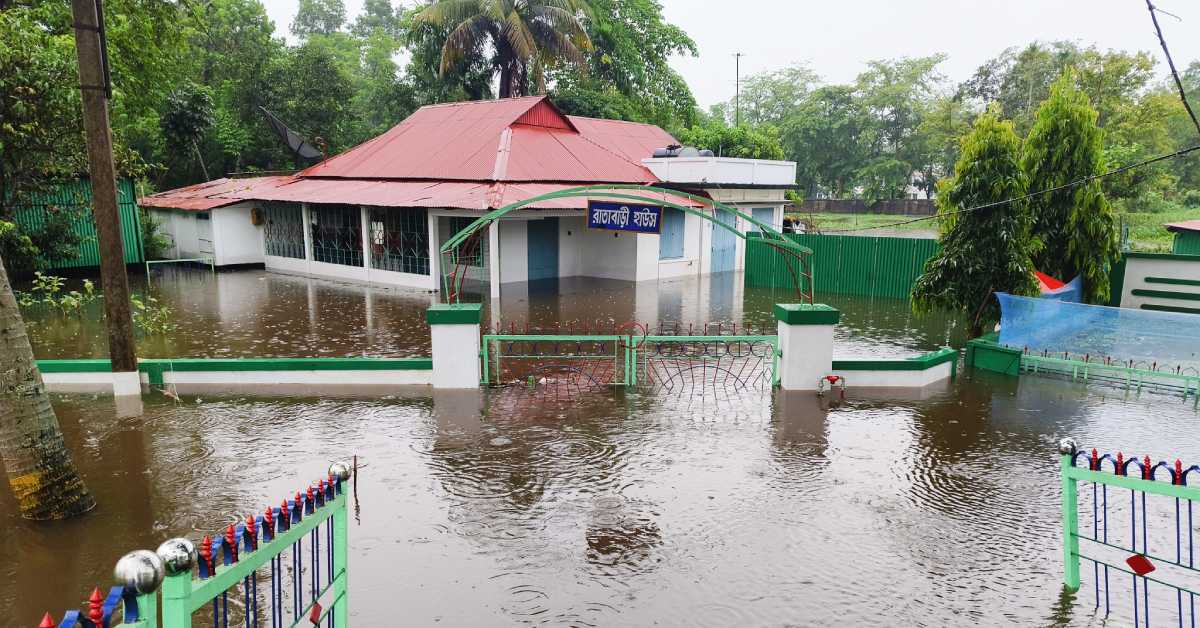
{"x":724,"y":243}
{"x":765,"y":215}
{"x":543,"y":249}
{"x":204,"y":233}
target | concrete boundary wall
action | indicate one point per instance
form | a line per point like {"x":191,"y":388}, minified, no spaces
{"x":266,"y":375}
{"x":915,"y":372}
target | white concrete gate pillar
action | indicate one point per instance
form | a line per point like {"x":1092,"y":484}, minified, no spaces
{"x":806,"y":343}
{"x":454,"y":331}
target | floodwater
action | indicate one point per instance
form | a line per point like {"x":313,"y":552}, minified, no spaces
{"x":935,"y":508}
{"x":262,"y":314}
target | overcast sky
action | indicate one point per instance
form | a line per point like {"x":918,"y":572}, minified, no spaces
{"x":837,"y":37}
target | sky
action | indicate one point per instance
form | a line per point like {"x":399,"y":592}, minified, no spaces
{"x":836,"y":38}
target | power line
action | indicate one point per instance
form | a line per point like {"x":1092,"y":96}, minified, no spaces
{"x":1064,"y":186}
{"x":1171,"y":62}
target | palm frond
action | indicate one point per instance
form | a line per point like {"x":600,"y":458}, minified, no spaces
{"x":566,"y":23}
{"x":520,"y":39}
{"x":449,"y":12}
{"x":466,"y":36}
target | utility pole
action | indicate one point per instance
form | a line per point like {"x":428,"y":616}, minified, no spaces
{"x":92,"y":50}
{"x":737,"y":89}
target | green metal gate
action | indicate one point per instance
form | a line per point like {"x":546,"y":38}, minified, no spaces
{"x":564,"y":365}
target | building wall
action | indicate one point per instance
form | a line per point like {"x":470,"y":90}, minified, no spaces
{"x":1186,"y":243}
{"x":236,"y":240}
{"x":514,"y":254}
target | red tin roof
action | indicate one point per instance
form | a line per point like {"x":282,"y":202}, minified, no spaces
{"x":457,"y":155}
{"x":1187,"y":225}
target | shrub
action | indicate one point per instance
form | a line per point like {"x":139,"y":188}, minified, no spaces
{"x":1191,"y":199}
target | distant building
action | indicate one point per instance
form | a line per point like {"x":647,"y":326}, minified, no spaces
{"x":381,"y":211}
{"x":1187,"y":237}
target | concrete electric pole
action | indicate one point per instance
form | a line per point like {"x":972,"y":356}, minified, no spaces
{"x":737,"y":89}
{"x":94,"y":83}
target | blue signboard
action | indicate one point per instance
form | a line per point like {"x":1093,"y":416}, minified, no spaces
{"x":624,"y":217}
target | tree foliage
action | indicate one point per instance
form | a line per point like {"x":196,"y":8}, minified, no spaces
{"x":1076,"y":226}
{"x":319,"y":17}
{"x":728,"y":141}
{"x":987,"y":250}
{"x":524,"y":38}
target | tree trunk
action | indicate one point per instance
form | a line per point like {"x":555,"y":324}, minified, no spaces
{"x":505,"y":81}
{"x":36,"y":459}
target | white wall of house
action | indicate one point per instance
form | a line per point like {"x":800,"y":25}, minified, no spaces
{"x":514,"y":254}
{"x":235,"y":239}
{"x":1141,"y":272}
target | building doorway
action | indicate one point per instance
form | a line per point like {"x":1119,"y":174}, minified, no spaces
{"x":724,"y":243}
{"x":542,"y":249}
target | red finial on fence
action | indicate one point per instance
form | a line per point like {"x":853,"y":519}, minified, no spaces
{"x":1146,"y":468}
{"x":269,"y":521}
{"x":1178,"y":471}
{"x":1120,"y":464}
{"x":231,"y":543}
{"x":206,"y":554}
{"x":1095,"y":466}
{"x":310,"y":494}
{"x":47,"y":621}
{"x":95,"y":612}
{"x":252,"y":530}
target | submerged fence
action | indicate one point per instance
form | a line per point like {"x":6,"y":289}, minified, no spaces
{"x":1127,"y":538}
{"x":76,"y":197}
{"x":869,"y":266}
{"x":224,"y":579}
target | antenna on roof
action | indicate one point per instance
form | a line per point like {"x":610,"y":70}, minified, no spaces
{"x":300,"y":147}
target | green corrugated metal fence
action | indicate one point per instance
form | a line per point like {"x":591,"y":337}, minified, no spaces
{"x":876,"y":266}
{"x":77,"y":195}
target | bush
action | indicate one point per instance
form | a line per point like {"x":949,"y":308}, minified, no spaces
{"x":154,"y":243}
{"x":18,"y":251}
{"x":57,"y":240}
{"x":1191,"y":199}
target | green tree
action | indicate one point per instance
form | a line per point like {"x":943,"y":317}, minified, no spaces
{"x":186,"y":118}
{"x":377,"y":16}
{"x":525,"y":37}
{"x":825,"y":136}
{"x":40,"y":127}
{"x":318,"y":17}
{"x":468,"y":78}
{"x":773,"y":97}
{"x":1076,"y":225}
{"x":315,"y":95}
{"x":982,"y":251}
{"x":629,"y":74}
{"x":726,"y":141}
{"x":895,"y":93}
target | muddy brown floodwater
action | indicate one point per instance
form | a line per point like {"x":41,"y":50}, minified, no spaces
{"x":936,"y":508}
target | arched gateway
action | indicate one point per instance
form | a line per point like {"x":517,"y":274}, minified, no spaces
{"x":465,"y":245}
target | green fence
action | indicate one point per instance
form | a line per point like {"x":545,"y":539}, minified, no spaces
{"x":77,"y":196}
{"x":875,"y":266}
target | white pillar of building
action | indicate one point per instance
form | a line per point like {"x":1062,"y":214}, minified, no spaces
{"x":494,"y":259}
{"x":454,"y":331}
{"x":306,"y":217}
{"x":805,"y":343}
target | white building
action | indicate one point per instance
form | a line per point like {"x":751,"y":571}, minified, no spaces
{"x":380,"y":212}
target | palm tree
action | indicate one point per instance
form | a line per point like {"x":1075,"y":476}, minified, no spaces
{"x":525,"y":36}
{"x":39,"y":467}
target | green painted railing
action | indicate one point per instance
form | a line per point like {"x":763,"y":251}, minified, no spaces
{"x":1185,"y":381}
{"x":857,"y":265}
{"x":1137,"y":521}
{"x":199,"y":582}
{"x":76,"y":196}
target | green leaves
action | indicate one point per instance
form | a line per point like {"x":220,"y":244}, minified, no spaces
{"x":987,"y":250}
{"x":1076,"y":225}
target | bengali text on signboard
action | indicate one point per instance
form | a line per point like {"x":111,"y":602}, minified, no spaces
{"x":624,"y":217}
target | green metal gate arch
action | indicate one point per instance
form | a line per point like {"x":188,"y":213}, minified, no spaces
{"x":465,"y":243}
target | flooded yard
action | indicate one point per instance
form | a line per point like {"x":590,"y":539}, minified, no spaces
{"x":619,"y":509}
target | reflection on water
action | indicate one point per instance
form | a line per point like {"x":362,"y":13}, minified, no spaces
{"x":621,"y":509}
{"x":259,"y":314}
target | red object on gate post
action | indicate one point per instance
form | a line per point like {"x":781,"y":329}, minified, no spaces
{"x":47,"y":621}
{"x":315,"y":615}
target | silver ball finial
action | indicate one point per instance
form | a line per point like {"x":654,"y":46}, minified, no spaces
{"x":340,"y":471}
{"x":1067,"y":446}
{"x":140,"y":570}
{"x":177,"y":555}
